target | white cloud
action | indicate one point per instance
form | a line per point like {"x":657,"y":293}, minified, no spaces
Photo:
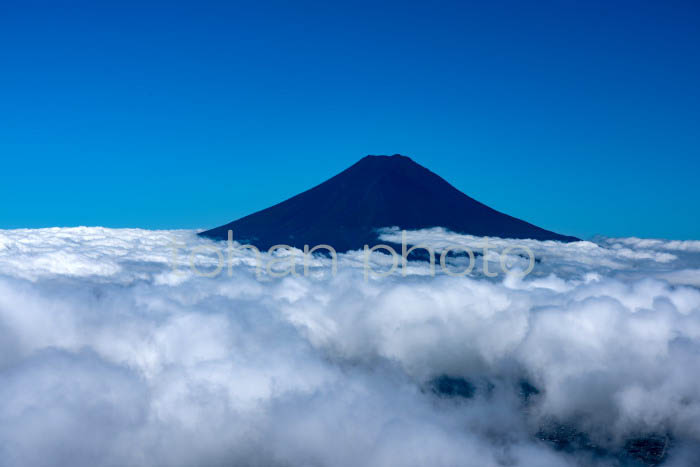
{"x":109,"y":356}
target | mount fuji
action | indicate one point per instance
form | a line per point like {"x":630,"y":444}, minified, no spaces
{"x":378,"y":191}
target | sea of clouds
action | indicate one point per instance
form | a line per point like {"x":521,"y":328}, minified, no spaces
{"x":115,"y":352}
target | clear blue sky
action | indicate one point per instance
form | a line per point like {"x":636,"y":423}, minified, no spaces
{"x":579,"y":116}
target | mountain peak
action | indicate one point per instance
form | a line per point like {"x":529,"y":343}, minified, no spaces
{"x":384,"y":160}
{"x":384,"y":157}
{"x":378,"y":191}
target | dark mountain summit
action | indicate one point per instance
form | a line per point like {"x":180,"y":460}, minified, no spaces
{"x":378,"y":191}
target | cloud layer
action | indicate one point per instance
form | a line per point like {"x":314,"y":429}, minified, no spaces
{"x":113,"y":352}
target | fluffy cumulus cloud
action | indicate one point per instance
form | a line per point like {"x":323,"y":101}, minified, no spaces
{"x":115,"y":351}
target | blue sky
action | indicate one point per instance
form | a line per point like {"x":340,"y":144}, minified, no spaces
{"x":580,"y":117}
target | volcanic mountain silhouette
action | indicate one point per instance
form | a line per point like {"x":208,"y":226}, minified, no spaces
{"x":378,"y":191}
